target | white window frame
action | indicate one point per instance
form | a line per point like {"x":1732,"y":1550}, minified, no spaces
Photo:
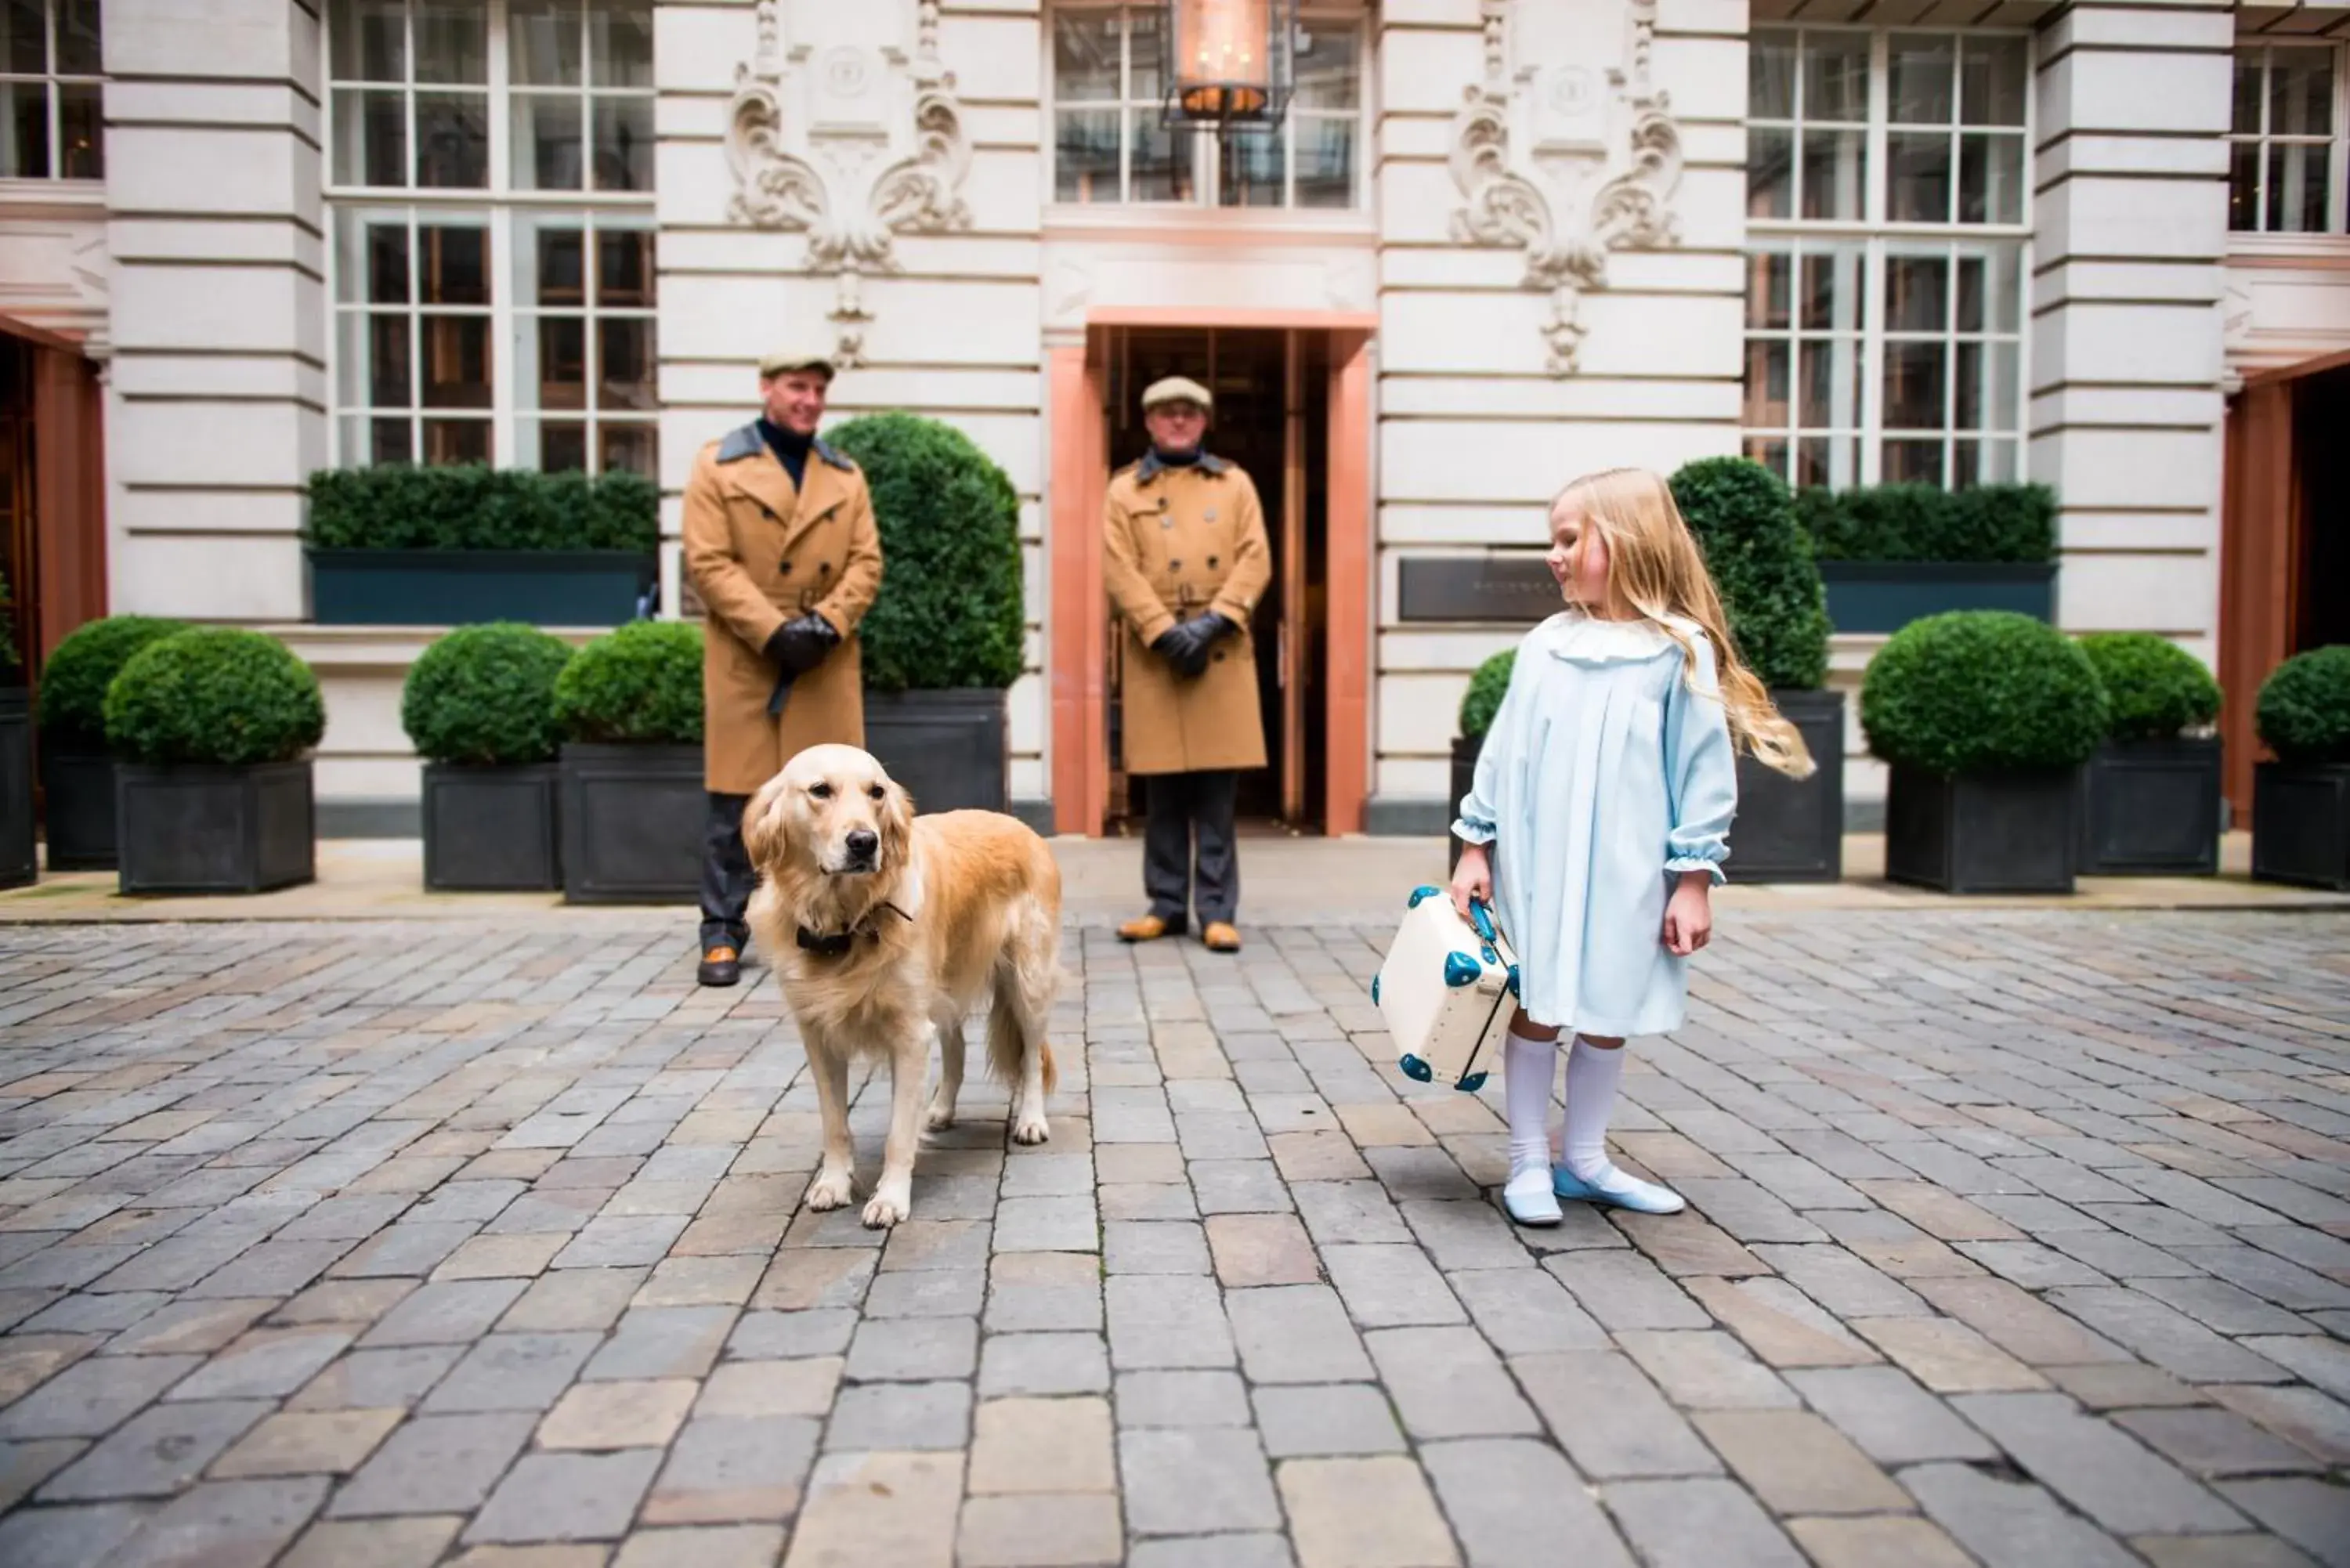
{"x":2335,"y":139}
{"x":497,"y":206}
{"x":1879,"y":236}
{"x":1207,"y":154}
{"x":49,"y":80}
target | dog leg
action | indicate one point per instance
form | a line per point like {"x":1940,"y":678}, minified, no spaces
{"x":941,"y":1114}
{"x":893,"y":1195}
{"x":835,"y":1183}
{"x":1015,"y":1032}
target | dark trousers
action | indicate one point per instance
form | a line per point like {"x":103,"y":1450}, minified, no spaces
{"x":1188,"y":859}
{"x":727,"y":878}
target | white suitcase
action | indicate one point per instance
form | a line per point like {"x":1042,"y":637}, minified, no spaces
{"x":1447,"y":988}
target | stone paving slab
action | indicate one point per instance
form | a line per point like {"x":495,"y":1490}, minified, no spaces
{"x":2017,"y":1237}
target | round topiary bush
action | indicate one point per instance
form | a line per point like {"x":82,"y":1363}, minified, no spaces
{"x":641,"y":683}
{"x":214,"y":694}
{"x":949,"y":615}
{"x":2304,"y":712}
{"x":74,"y":681}
{"x":2154,"y":688}
{"x":1760,"y":558}
{"x":1981,"y":691}
{"x":1486,"y":689}
{"x":486,"y":694}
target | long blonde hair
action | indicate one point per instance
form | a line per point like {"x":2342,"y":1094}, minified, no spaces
{"x":1655,"y":567}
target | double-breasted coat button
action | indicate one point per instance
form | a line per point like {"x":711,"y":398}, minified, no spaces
{"x":787,"y":568}
{"x":1174,"y":565}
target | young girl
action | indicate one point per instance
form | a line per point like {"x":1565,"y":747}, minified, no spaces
{"x":1601,"y":817}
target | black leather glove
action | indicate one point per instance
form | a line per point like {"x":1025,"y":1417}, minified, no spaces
{"x":1183,"y":649}
{"x":799,"y":646}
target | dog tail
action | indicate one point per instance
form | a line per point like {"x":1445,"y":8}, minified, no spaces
{"x":1014,"y":1021}
{"x":1052,"y":1073}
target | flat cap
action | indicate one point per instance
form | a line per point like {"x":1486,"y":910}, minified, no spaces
{"x":797,"y":356}
{"x":1177,"y":390}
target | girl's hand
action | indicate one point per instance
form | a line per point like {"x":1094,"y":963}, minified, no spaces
{"x":1473,"y":879}
{"x":1688,"y":914}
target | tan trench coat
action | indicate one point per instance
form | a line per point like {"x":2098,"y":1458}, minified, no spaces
{"x":1180,"y":541}
{"x":762,"y":553}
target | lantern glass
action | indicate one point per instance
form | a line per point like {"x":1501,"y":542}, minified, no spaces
{"x":1228,"y":59}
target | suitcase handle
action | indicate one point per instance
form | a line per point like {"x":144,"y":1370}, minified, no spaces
{"x":1481,"y":916}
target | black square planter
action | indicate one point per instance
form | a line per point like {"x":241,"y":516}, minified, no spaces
{"x":1791,"y":830}
{"x":1980,"y":833}
{"x":492,"y":829}
{"x":2150,"y":808}
{"x":194,"y":829}
{"x":464,"y":588}
{"x":633,"y":819}
{"x":78,"y":806}
{"x":1465,"y":778}
{"x":2300,"y":825}
{"x":949,"y":749}
{"x":18,"y":865}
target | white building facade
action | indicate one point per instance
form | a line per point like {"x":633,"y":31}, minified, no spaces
{"x":1495,"y":244}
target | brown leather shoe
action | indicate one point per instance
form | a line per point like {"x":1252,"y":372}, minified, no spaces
{"x":1147,"y":928}
{"x":720,"y":966}
{"x":1222,"y":937}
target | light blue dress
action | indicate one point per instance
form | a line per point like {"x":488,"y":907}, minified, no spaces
{"x":1604,"y":776}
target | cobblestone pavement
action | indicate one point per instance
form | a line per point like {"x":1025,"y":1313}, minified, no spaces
{"x":2015,"y":1238}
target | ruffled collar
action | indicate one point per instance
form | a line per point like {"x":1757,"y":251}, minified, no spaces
{"x":1582,"y":639}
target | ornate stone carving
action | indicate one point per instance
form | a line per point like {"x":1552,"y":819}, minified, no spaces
{"x":815,"y":174}
{"x":1555,"y":167}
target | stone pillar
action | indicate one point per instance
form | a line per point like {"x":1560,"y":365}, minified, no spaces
{"x":2130,"y":239}
{"x":214,"y":229}
{"x":1508,"y":363}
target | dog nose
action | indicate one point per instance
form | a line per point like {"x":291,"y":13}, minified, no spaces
{"x":862,"y":844}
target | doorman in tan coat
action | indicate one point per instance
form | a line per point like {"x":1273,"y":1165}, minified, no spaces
{"x":780,"y":543}
{"x":1186,"y":560}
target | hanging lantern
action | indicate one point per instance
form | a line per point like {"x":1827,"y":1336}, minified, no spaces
{"x":1230,"y":63}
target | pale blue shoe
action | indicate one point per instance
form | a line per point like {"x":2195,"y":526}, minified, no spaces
{"x":1618,"y":1190}
{"x":1528,"y":1199}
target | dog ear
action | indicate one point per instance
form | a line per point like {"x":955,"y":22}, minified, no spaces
{"x":763,"y":824}
{"x":897,"y":824}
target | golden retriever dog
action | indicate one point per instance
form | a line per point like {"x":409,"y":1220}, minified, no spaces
{"x":885,"y":929}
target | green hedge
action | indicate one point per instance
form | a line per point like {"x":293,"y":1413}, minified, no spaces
{"x":1486,"y":689}
{"x":1981,"y":691}
{"x":641,"y":683}
{"x":214,"y":694}
{"x":472,"y":507}
{"x":2154,"y":688}
{"x":949,"y":615}
{"x":1761,"y":559}
{"x":1925,"y":523}
{"x":2304,"y":712}
{"x":86,"y":660}
{"x":486,"y":694}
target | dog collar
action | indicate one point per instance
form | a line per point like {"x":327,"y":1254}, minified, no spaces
{"x":836,"y":944}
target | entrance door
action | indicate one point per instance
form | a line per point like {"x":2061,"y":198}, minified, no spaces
{"x":1271,"y":392}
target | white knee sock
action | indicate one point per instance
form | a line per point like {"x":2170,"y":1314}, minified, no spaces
{"x":1591,"y":1077}
{"x":1527,"y":1068}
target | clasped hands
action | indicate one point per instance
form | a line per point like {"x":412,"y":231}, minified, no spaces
{"x":799,"y":646}
{"x":1187,"y":643}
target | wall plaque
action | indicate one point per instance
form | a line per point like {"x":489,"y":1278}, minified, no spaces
{"x":1513,"y":588}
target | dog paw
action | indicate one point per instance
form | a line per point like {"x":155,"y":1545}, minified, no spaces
{"x":885,"y":1210}
{"x":830,"y":1190}
{"x":939,"y":1117}
{"x":1030,"y":1130}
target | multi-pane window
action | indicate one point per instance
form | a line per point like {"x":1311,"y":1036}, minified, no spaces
{"x":1110,"y":144}
{"x":1886,"y":199}
{"x":2285,"y":142}
{"x":479,"y":315}
{"x":52,"y":115}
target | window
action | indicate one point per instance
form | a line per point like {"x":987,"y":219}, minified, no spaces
{"x":1110,"y":145}
{"x":1886,"y":199}
{"x":2284,"y":152}
{"x":52,"y":111}
{"x":480,"y":316}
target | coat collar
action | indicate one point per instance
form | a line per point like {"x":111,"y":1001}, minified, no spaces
{"x":1150,"y":468}
{"x":825,"y":485}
